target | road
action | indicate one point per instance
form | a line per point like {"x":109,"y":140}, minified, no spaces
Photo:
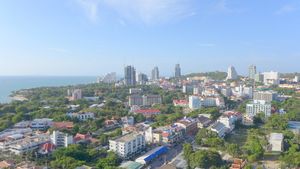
{"x":169,"y":156}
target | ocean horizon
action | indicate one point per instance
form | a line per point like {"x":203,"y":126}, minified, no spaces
{"x":8,"y":84}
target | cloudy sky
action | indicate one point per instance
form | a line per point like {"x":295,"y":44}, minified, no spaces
{"x":93,"y":37}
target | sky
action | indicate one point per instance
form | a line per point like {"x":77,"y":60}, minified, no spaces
{"x":94,"y":37}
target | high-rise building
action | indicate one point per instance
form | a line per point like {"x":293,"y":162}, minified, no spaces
{"x":142,"y":78}
{"x":258,"y":106}
{"x":297,"y":79}
{"x":252,"y":71}
{"x":267,"y":96}
{"x":231,"y":73}
{"x":177,"y":71}
{"x":155,"y":73}
{"x":129,"y":76}
{"x":271,"y":78}
{"x":108,"y":78}
{"x":259,"y":77}
{"x":61,"y":139}
{"x":194,"y":102}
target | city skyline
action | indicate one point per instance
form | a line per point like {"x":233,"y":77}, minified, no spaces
{"x":94,"y":37}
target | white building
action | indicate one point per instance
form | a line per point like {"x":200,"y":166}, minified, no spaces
{"x":276,"y":142}
{"x":41,"y":124}
{"x":271,"y":78}
{"x":127,"y":145}
{"x":194,"y":102}
{"x":128,"y":120}
{"x":297,"y":79}
{"x":231,"y":73}
{"x":135,"y":91}
{"x":228,"y":121}
{"x":28,"y":143}
{"x":252,"y":71}
{"x":60,"y":139}
{"x":258,"y":106}
{"x":267,"y":96}
{"x":75,"y":94}
{"x":82,"y":116}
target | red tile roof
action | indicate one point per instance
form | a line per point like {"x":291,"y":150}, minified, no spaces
{"x":63,"y":125}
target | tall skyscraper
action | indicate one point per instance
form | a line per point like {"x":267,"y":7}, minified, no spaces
{"x":129,"y":76}
{"x":155,"y":73}
{"x":231,"y":73}
{"x":252,"y":71}
{"x":142,"y":78}
{"x":177,"y":71}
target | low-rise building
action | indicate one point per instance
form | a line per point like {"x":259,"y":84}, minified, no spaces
{"x":180,"y":103}
{"x":147,"y":112}
{"x":41,"y":124}
{"x":276,"y":142}
{"x":203,"y":122}
{"x":189,"y":125}
{"x":127,"y":120}
{"x":64,"y":125}
{"x":127,"y":145}
{"x":82,"y":116}
{"x":219,"y":128}
{"x":228,"y":121}
{"x":28,"y":143}
{"x":248,"y":120}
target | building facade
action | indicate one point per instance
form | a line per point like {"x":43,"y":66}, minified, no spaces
{"x":177,"y":71}
{"x":155,"y":73}
{"x":252,"y":72}
{"x":194,"y":102}
{"x":258,"y":106}
{"x":129,"y":76}
{"x":128,"y":145}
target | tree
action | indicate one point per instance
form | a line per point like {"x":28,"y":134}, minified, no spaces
{"x":205,"y":159}
{"x":187,"y":150}
{"x":111,"y":160}
{"x":277,"y":122}
{"x":66,"y":163}
{"x":233,"y":149}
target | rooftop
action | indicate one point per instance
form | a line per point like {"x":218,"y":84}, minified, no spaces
{"x":276,"y":136}
{"x":127,"y":137}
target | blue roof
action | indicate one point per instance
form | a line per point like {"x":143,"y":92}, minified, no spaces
{"x":154,"y":153}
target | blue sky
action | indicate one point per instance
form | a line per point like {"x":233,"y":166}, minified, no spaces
{"x":93,"y":37}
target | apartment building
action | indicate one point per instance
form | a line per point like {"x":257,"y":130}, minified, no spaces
{"x":128,"y":145}
{"x":60,"y":139}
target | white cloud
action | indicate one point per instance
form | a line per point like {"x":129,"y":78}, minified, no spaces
{"x":91,"y":8}
{"x":222,"y":6}
{"x":145,"y":11}
{"x":286,"y":9}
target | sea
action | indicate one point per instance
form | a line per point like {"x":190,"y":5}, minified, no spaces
{"x":8,"y":84}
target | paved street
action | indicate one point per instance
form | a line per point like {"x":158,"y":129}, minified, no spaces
{"x":168,"y":157}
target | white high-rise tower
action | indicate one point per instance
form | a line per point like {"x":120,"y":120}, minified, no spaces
{"x":231,"y":73}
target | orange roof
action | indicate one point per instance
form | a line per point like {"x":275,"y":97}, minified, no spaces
{"x":48,"y":147}
{"x":63,"y":125}
{"x":6,"y":164}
